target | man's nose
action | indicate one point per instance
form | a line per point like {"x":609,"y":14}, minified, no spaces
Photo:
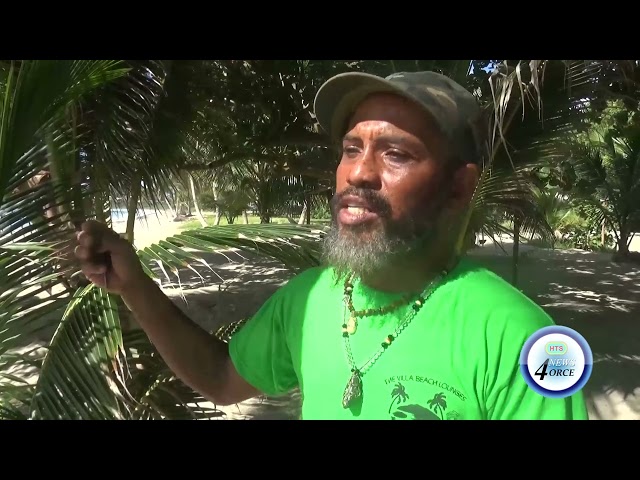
{"x":365,"y":171}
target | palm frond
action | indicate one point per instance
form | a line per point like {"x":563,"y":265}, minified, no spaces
{"x":296,"y":246}
{"x":78,"y":380}
{"x":509,"y":193}
{"x":157,"y":392}
{"x":35,"y":94}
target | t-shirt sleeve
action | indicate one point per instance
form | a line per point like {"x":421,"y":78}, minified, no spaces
{"x":260,"y":351}
{"x":509,"y":397}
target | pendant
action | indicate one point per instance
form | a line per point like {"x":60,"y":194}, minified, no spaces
{"x":352,"y":325}
{"x":353,"y":391}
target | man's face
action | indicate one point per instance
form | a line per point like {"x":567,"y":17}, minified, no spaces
{"x":391,"y":185}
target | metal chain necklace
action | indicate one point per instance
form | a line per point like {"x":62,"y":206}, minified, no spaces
{"x":353,"y":390}
{"x":352,"y":324}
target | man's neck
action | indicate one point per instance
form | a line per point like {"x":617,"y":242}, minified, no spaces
{"x":410,"y":274}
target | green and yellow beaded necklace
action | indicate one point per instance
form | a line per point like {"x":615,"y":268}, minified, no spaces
{"x":353,"y":390}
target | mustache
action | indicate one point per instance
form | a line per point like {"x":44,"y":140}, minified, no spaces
{"x":377,"y":202}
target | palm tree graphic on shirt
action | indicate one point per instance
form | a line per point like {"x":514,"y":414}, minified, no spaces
{"x":398,"y":395}
{"x":437,"y":406}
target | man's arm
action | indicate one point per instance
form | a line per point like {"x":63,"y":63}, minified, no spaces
{"x":197,"y":358}
{"x":518,"y":401}
{"x":509,"y":397}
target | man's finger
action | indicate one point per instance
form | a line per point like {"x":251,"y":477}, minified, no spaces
{"x":83,"y":253}
{"x":85,"y":239}
{"x":91,"y":268}
{"x":98,"y":279}
{"x":98,"y":237}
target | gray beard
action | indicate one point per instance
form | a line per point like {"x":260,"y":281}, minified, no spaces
{"x":365,"y":253}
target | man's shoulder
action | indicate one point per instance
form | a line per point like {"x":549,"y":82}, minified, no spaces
{"x":312,"y":281}
{"x":311,"y":275}
{"x":495,"y":302}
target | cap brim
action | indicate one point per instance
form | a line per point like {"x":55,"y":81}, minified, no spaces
{"x":339,"y":96}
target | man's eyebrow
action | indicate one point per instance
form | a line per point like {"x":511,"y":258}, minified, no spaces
{"x":382,"y":138}
{"x":393,"y":139}
{"x":350,"y":138}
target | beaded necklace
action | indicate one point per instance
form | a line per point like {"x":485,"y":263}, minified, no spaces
{"x":353,"y":390}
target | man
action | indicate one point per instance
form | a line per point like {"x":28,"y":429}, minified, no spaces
{"x":395,"y":326}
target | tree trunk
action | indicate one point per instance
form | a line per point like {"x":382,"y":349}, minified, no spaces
{"x":214,"y":189}
{"x":603,"y":234}
{"x":623,"y":241}
{"x":170,"y":211}
{"x":516,"y":251}
{"x":263,"y":213}
{"x":192,"y":184}
{"x":176,"y":203}
{"x":246,"y":217}
{"x":303,"y":215}
{"x":100,"y":204}
{"x":132,"y":207}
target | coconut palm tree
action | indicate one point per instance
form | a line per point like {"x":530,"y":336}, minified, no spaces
{"x":87,"y":370}
{"x":607,"y":167}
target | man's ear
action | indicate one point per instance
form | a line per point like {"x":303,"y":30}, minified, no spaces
{"x":465,"y":180}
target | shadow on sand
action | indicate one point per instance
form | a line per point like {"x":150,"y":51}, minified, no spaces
{"x":236,"y":287}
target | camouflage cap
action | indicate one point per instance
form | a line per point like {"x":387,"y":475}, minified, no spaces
{"x":453,"y":108}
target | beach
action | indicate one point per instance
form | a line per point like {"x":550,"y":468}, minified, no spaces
{"x":583,"y":290}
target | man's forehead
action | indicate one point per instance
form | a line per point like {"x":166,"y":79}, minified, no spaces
{"x":387,"y":114}
{"x":378,"y":134}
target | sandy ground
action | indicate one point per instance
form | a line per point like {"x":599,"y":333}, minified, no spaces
{"x":583,"y":290}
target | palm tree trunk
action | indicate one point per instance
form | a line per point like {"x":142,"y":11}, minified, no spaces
{"x":99,"y":206}
{"x":176,"y":202}
{"x":623,"y":243}
{"x":192,"y":184}
{"x":214,"y":188}
{"x":516,"y":250}
{"x":170,"y":210}
{"x":303,"y":215}
{"x":132,"y":206}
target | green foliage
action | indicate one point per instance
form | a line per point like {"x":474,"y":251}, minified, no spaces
{"x":38,"y":95}
{"x":606,"y":160}
{"x":207,"y":200}
{"x":232,"y":203}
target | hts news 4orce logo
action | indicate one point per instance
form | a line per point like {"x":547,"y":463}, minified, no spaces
{"x":556,"y":361}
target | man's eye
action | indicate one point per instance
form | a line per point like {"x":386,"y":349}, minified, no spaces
{"x":398,"y":156}
{"x":350,"y":150}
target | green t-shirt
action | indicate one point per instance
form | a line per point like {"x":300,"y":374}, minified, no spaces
{"x":457,"y":359}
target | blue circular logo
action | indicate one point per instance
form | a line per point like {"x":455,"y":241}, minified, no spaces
{"x":556,"y":361}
